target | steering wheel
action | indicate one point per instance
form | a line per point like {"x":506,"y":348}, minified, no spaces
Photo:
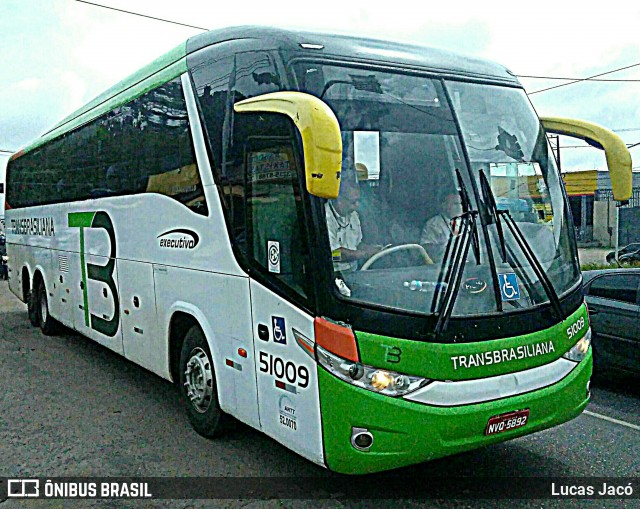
{"x":402,"y":247}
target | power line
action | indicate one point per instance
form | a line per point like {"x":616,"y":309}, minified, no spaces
{"x":584,"y":79}
{"x":7,"y":151}
{"x":588,"y":146}
{"x":578,"y":79}
{"x":572,"y":80}
{"x":141,"y":15}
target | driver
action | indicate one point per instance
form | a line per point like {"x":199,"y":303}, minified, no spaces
{"x":345,"y":232}
{"x":437,"y":230}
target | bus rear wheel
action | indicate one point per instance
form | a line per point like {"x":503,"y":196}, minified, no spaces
{"x":48,"y":324}
{"x":32,"y":308}
{"x":198,"y":386}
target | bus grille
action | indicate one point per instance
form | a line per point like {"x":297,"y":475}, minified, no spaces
{"x":63,"y":263}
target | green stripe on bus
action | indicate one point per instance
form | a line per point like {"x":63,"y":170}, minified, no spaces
{"x":82,"y":220}
{"x":441,"y":361}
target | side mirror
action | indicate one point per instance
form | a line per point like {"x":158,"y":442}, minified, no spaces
{"x":616,"y":152}
{"x":320,"y":133}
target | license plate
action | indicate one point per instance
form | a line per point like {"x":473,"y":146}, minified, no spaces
{"x":507,"y":422}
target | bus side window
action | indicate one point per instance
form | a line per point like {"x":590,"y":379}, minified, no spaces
{"x":219,"y":83}
{"x":273,"y":236}
{"x":143,"y":146}
{"x":213,"y":79}
{"x":158,"y":155}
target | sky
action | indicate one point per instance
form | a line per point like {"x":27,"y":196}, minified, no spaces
{"x":57,"y":55}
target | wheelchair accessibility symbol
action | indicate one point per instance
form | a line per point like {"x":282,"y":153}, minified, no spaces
{"x":509,"y":289}
{"x":279,"y":330}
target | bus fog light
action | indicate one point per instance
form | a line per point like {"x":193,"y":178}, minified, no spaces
{"x":579,"y":351}
{"x":389,"y":383}
{"x":361,"y":439}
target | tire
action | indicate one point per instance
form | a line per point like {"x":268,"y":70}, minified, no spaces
{"x":198,"y":388}
{"x":32,"y":308}
{"x":48,"y":324}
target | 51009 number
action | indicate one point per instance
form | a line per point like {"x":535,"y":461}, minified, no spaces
{"x":284,"y":370}
{"x":576,"y":327}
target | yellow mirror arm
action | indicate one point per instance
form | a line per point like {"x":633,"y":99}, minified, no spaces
{"x":320,"y":132}
{"x":616,"y":152}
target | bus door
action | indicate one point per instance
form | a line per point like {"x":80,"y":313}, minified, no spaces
{"x":277,"y":247}
{"x":287,"y":376}
{"x":140,"y":338}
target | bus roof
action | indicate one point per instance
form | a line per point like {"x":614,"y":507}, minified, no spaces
{"x":174,"y":63}
{"x":358,"y":48}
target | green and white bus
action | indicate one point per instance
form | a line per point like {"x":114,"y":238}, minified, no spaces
{"x":182,"y":220}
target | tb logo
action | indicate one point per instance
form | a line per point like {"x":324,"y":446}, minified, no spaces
{"x":100,"y":273}
{"x":392,"y":354}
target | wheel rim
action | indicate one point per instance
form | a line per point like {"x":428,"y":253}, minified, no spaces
{"x":199,"y":380}
{"x":44,"y":310}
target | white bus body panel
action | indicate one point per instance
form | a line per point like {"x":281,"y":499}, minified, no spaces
{"x":289,"y":414}
{"x":164,"y":279}
{"x":66,"y":286}
{"x":202,"y":279}
{"x":221,"y":305}
{"x":143,"y":341}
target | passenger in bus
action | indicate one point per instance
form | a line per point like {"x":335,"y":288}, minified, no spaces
{"x":437,"y":230}
{"x":345,"y":231}
{"x":114,"y":183}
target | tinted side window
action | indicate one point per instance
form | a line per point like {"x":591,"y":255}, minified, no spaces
{"x":219,"y":84}
{"x":253,"y":76}
{"x":621,"y":287}
{"x":257,"y":171}
{"x":145,"y":146}
{"x":29,"y":179}
{"x":142,"y":146}
{"x":213,"y":82}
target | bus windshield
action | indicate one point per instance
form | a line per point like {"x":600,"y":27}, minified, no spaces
{"x":414,"y":150}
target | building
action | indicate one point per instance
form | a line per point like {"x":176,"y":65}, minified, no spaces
{"x":594,"y":209}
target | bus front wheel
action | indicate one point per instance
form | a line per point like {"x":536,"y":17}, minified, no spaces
{"x":198,"y":384}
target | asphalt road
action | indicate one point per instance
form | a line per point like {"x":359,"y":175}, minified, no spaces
{"x":69,"y":407}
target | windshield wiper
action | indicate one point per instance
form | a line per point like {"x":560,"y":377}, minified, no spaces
{"x":492,"y":208}
{"x":466,"y":207}
{"x":456,"y":251}
{"x":455,"y":254}
{"x":505,"y":215}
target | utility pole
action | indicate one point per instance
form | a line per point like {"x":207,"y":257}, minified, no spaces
{"x":556,"y":137}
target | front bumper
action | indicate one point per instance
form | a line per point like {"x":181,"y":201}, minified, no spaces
{"x":407,"y":432}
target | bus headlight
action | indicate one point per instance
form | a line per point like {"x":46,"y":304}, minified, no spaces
{"x":382,"y":381}
{"x":580,"y":349}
